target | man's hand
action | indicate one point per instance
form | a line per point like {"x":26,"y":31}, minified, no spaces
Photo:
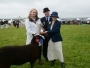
{"x":46,"y":35}
{"x":45,"y":32}
{"x":41,"y":32}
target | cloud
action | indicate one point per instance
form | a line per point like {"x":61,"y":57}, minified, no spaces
{"x":65,"y":8}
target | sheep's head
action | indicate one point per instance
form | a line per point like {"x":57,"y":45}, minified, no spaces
{"x":37,"y":39}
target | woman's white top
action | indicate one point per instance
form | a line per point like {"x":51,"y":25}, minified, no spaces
{"x":33,"y":28}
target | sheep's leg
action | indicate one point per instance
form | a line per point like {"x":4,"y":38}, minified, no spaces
{"x":5,"y":67}
{"x":31,"y":65}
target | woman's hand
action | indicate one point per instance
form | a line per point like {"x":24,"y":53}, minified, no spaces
{"x":44,"y":33}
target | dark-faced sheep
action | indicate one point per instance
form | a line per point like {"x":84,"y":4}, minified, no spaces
{"x":17,"y":55}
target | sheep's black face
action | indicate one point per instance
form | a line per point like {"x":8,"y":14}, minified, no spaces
{"x":38,"y":39}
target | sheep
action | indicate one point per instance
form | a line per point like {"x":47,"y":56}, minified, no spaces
{"x":17,"y":55}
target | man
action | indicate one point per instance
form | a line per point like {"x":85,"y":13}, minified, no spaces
{"x":45,"y":21}
{"x":2,"y":24}
{"x":6,"y":23}
{"x":17,"y":23}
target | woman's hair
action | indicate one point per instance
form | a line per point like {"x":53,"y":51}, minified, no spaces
{"x":29,"y":16}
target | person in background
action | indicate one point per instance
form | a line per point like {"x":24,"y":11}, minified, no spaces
{"x":2,"y":24}
{"x":6,"y":23}
{"x":33,"y":26}
{"x":20,"y":24}
{"x":45,"y":21}
{"x":55,"y":40}
{"x":17,"y":23}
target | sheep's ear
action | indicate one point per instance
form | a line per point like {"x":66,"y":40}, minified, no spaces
{"x":33,"y":35}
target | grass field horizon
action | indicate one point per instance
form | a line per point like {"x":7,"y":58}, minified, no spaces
{"x":76,"y":45}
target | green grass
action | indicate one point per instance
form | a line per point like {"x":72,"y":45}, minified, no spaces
{"x":76,"y":45}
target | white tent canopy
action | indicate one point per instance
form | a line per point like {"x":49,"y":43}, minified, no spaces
{"x":88,"y":19}
{"x":78,"y":19}
{"x":10,"y":21}
{"x":60,"y":19}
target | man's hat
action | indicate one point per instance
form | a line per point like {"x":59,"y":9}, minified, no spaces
{"x":45,"y":9}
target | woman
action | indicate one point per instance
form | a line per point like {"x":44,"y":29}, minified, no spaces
{"x":33,"y":26}
{"x":55,"y":41}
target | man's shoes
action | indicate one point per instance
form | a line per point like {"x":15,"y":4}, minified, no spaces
{"x":40,"y":62}
{"x":46,"y":60}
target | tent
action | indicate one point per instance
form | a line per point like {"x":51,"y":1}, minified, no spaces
{"x":10,"y":21}
{"x":88,"y":19}
{"x":60,"y":19}
{"x":78,"y":19}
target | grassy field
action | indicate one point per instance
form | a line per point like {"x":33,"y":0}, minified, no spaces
{"x":76,"y":45}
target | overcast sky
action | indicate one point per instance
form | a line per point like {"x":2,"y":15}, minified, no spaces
{"x":65,"y":8}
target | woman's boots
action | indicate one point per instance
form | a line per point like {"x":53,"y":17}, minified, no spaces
{"x":52,"y":63}
{"x":62,"y":65}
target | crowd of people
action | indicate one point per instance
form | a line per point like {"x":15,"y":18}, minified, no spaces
{"x":73,"y":22}
{"x":17,"y":23}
